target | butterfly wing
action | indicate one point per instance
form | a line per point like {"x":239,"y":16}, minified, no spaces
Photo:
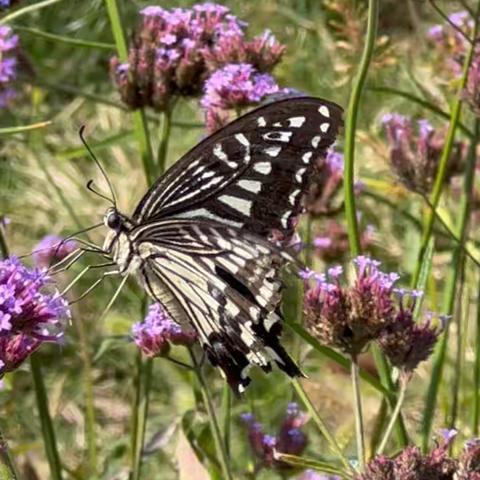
{"x":224,"y":283}
{"x":252,"y":174}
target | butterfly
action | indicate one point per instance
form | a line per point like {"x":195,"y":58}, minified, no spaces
{"x":205,"y":241}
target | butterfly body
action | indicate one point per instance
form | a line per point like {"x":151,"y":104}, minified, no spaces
{"x":201,"y":241}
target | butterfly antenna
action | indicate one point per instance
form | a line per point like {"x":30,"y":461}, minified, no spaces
{"x":96,"y":192}
{"x":99,"y":165}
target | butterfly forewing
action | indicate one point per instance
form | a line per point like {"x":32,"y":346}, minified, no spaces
{"x":252,"y":174}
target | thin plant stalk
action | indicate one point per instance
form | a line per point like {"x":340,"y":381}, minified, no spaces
{"x":351,"y":125}
{"x":446,"y":153}
{"x":165,"y":128}
{"x":215,"y":429}
{"x":458,"y":264}
{"x":139,"y":117}
{"x":226,"y":416}
{"x":476,"y":372}
{"x":144,"y":379}
{"x":393,"y":419}
{"x":322,"y":426}
{"x":48,"y":431}
{"x":357,"y":405}
{"x":26,"y":10}
{"x":7,"y":467}
{"x":3,"y":243}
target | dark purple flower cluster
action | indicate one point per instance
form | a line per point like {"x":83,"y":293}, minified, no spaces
{"x":414,"y":156}
{"x":52,"y":249}
{"x":349,"y":317}
{"x":290,"y":438}
{"x":154,"y":335}
{"x":8,"y":65}
{"x":232,"y":87}
{"x":31,"y":312}
{"x":411,"y":464}
{"x":174,"y":51}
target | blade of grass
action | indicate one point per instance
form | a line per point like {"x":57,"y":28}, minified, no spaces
{"x":457,"y":263}
{"x":63,"y":39}
{"x":48,"y":431}
{"x":139,"y":117}
{"x":303,"y":462}
{"x":476,"y":372}
{"x":24,"y":128}
{"x":226,"y":410}
{"x":26,"y":10}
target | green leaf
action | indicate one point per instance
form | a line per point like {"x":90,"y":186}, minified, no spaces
{"x":304,"y":462}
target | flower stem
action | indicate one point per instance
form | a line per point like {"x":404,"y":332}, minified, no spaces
{"x":351,"y":124}
{"x":164,"y":137}
{"x":139,"y":118}
{"x":7,"y":467}
{"x":322,"y":426}
{"x":144,"y":379}
{"x":357,"y":403}
{"x":476,"y":372}
{"x":45,"y":420}
{"x":207,"y":399}
{"x":3,"y":243}
{"x":395,"y":414}
{"x":458,"y":264}
{"x":446,"y":153}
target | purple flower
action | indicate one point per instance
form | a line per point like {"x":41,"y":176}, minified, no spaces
{"x":8,"y":65}
{"x":313,"y":475}
{"x":235,"y":86}
{"x":415,"y":152}
{"x":157,"y":331}
{"x":290,"y":439}
{"x":174,"y":51}
{"x":31,"y":312}
{"x":51,"y":249}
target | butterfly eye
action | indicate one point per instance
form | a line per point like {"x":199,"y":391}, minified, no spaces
{"x":113,"y":220}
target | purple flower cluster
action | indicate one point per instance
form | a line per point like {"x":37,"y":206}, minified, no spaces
{"x":313,"y":475}
{"x":31,"y":312}
{"x":411,"y":464}
{"x":174,"y":51}
{"x":8,"y":65}
{"x":51,"y":249}
{"x":234,"y":86}
{"x":154,"y":335}
{"x":349,"y":317}
{"x":415,"y":155}
{"x":290,"y":438}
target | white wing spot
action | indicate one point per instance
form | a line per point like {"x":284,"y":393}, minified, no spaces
{"x":324,"y":111}
{"x":208,"y":174}
{"x":285,"y":218}
{"x":220,"y":154}
{"x":306,"y":157}
{"x":263,"y":167}
{"x":299,"y":175}
{"x":273,"y":151}
{"x":203,"y":212}
{"x":277,"y":124}
{"x":270,"y":321}
{"x":253,"y":186}
{"x":316,"y":140}
{"x":240,"y":204}
{"x":292,"y":196}
{"x":278,"y":136}
{"x":324,"y":127}
{"x":261,"y":122}
{"x":296,"y":122}
{"x":243,"y":139}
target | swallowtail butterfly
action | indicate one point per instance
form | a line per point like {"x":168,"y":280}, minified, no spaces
{"x":200,"y":241}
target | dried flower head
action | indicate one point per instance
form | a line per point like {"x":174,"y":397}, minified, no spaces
{"x":414,"y":156}
{"x":469,"y":461}
{"x":233,"y":87}
{"x":174,"y":51}
{"x":8,"y":65}
{"x":52,"y":249}
{"x":290,"y":439}
{"x":154,"y":335}
{"x":348,"y":317}
{"x":31,"y":312}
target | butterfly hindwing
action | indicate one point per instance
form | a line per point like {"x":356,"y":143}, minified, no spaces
{"x":253,"y":173}
{"x":225,"y":284}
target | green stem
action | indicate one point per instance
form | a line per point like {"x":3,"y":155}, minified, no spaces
{"x":24,"y":128}
{"x":164,"y":138}
{"x":144,"y":379}
{"x":139,"y":118}
{"x":217,"y":437}
{"x":227,"y":416}
{"x":3,"y":243}
{"x":7,"y":467}
{"x":446,"y":153}
{"x":476,"y":372}
{"x":25,"y":10}
{"x":357,"y":404}
{"x":395,"y":415}
{"x":322,"y":426}
{"x":351,"y":124}
{"x":45,"y":420}
{"x":457,"y":263}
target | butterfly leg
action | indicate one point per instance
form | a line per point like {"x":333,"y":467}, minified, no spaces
{"x":94,"y":285}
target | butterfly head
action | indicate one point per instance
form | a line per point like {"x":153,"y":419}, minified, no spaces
{"x":114,"y":220}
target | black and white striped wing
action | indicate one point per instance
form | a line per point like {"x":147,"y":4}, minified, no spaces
{"x":224,"y":283}
{"x":251,"y":174}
